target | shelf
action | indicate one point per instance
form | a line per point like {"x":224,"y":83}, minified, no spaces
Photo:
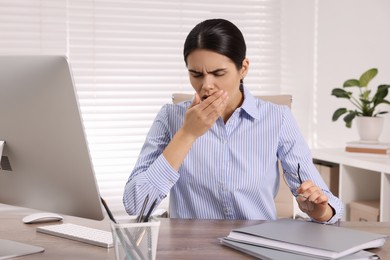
{"x":360,"y":177}
{"x":369,"y":162}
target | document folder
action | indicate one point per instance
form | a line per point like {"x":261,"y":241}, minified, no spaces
{"x":265,"y":253}
{"x":307,"y":238}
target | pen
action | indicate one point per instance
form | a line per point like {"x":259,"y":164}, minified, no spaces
{"x":129,"y":249}
{"x":299,"y":175}
{"x":108,"y":210}
{"x":141,"y":214}
{"x":300,"y":181}
{"x":146,"y":218}
{"x":122,"y":238}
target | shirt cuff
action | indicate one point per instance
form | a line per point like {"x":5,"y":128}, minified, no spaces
{"x":161,"y":175}
{"x":336,"y":216}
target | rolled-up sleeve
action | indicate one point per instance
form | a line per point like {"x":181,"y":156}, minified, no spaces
{"x":152,"y":174}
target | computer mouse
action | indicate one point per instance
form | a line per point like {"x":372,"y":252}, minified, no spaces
{"x":41,"y":217}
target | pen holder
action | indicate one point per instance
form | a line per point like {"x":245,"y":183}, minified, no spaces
{"x":134,"y":240}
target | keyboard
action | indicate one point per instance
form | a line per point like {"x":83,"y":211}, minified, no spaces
{"x":84,"y":234}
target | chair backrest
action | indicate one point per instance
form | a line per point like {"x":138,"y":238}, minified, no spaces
{"x":277,"y":99}
{"x":284,"y":201}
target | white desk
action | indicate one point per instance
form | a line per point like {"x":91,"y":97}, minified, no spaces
{"x":361,"y":177}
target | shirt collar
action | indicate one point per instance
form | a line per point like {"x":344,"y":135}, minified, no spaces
{"x":249,"y":105}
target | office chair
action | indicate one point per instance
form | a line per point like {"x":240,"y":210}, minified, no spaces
{"x":284,"y":200}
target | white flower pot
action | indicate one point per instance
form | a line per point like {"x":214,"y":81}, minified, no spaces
{"x":369,"y":128}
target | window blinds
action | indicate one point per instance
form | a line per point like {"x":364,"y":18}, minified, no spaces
{"x":33,"y":27}
{"x":126,"y":57}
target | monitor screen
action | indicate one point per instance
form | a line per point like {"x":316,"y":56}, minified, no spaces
{"x":45,"y":162}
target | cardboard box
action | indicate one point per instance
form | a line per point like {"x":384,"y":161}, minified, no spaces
{"x":364,"y":211}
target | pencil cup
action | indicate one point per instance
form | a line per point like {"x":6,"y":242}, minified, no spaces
{"x":135,"y":241}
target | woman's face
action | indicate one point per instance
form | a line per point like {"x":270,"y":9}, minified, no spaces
{"x":210,"y":72}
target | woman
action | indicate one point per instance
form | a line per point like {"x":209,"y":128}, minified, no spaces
{"x":217,"y":154}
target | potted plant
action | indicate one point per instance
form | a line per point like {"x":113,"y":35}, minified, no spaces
{"x":364,"y":102}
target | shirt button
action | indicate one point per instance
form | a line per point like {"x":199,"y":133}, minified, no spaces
{"x":222,"y":187}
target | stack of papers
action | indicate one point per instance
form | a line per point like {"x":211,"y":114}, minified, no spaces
{"x":296,"y":239}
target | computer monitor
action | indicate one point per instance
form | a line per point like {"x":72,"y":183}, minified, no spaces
{"x":45,"y":160}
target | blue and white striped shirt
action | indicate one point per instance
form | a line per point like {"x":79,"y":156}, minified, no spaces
{"x":231,"y":171}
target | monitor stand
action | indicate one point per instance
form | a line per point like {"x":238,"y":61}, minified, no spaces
{"x":11,"y":249}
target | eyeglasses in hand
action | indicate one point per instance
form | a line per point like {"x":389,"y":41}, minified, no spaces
{"x":303,"y":201}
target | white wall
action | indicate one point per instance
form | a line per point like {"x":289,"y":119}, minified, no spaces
{"x":352,"y":36}
{"x":298,"y":59}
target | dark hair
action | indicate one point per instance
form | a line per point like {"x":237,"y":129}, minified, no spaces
{"x":217,"y":35}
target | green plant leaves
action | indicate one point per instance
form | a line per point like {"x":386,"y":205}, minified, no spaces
{"x":380,"y":95}
{"x":363,"y":102}
{"x":339,"y":112}
{"x":341,"y":93}
{"x":365,"y":96}
{"x":381,"y":113}
{"x":364,"y":79}
{"x":367,"y":76}
{"x":351,"y":114}
{"x":351,"y":83}
{"x":349,"y":117}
